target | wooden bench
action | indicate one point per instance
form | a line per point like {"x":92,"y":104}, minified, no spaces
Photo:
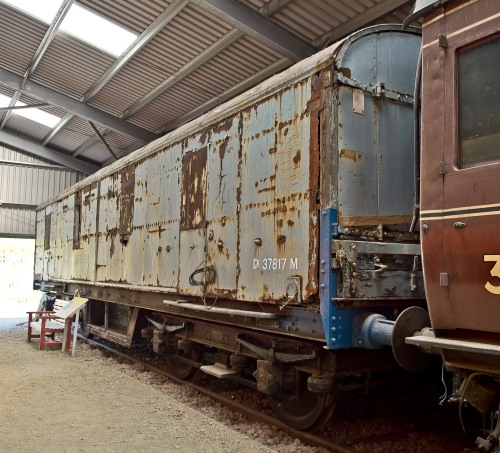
{"x":59,"y":320}
{"x":48,"y":324}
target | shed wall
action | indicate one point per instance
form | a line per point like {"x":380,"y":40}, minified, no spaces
{"x":25,"y":182}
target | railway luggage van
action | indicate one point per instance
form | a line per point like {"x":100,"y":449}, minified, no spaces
{"x":266,"y":241}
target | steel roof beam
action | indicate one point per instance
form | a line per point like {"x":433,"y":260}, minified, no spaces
{"x":183,"y":72}
{"x":47,"y":153}
{"x":216,"y":48}
{"x":235,"y":90}
{"x":93,"y":114}
{"x":21,"y":107}
{"x":274,"y":6}
{"x":229,"y":94}
{"x":360,"y":20}
{"x":219,"y":46}
{"x":147,"y":35}
{"x":93,"y":139}
{"x":16,"y":204}
{"x":103,"y":140}
{"x":47,"y":39}
{"x":62,"y":123}
{"x":258,"y":27}
{"x":18,"y":163}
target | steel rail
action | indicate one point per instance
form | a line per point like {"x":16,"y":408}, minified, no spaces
{"x":253,"y":414}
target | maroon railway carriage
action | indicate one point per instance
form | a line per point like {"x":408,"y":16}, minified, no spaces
{"x":460,"y":191}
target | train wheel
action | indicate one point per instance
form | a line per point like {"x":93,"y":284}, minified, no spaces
{"x":178,"y":367}
{"x":304,"y":410}
{"x":299,"y":407}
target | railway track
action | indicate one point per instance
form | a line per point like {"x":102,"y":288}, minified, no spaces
{"x":357,"y":426}
{"x":255,"y":415}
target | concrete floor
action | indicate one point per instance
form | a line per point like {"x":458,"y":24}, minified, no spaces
{"x":50,"y":401}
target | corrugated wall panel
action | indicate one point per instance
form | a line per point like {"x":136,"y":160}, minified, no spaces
{"x":23,"y":186}
{"x":13,"y":155}
{"x":16,"y":222}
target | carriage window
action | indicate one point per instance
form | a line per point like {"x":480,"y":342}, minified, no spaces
{"x":479,"y":104}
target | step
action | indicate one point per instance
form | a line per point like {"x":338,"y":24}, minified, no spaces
{"x":219,"y":371}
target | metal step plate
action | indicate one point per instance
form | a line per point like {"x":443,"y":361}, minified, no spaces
{"x":219,"y":371}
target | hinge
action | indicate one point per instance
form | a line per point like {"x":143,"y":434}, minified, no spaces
{"x":442,"y":168}
{"x":444,"y":280}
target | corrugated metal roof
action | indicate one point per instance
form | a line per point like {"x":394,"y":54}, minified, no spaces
{"x":30,"y":129}
{"x":20,"y":36}
{"x":70,"y":66}
{"x":198,"y":48}
{"x":135,"y":15}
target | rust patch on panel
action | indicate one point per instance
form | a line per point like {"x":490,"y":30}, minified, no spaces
{"x":296,"y":158}
{"x":77,"y":224}
{"x":127,"y":175}
{"x":223,"y":126}
{"x":382,"y":220}
{"x":346,"y":72}
{"x":350,"y":154}
{"x":315,"y":105}
{"x":46,"y":242}
{"x":194,"y":175}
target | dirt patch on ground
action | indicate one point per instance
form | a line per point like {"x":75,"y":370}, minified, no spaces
{"x":53,"y":402}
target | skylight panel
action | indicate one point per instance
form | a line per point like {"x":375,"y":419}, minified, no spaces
{"x":97,"y":31}
{"x":33,"y":114}
{"x":81,"y":23}
{"x":45,"y":10}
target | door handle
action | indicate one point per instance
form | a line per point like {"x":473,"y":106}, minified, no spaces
{"x":459,"y":225}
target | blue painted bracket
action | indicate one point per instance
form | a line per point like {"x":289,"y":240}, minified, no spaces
{"x":337,"y":324}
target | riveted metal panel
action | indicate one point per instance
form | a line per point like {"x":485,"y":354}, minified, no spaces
{"x":166,"y":203}
{"x":278,"y":202}
{"x":375,"y":159}
{"x":45,"y":240}
{"x":194,"y":189}
{"x":193,"y":185}
{"x":223,"y":195}
{"x":161,"y":206}
{"x":63,"y":268}
{"x":192,"y":246}
{"x":85,"y":256}
{"x":39,"y":248}
{"x":110,"y":265}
